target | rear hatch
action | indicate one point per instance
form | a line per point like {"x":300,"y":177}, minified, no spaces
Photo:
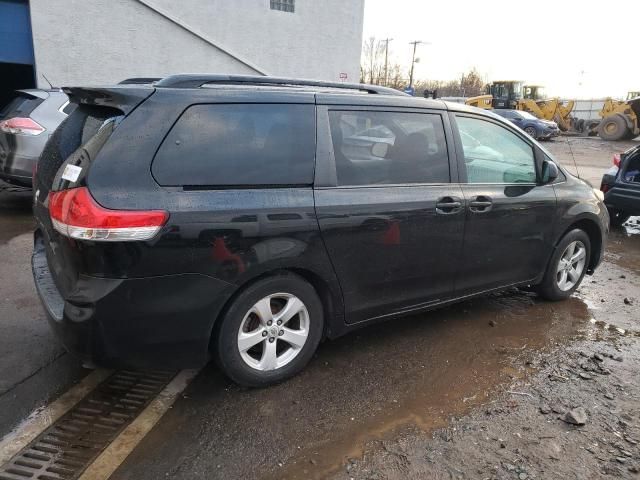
{"x":60,"y":256}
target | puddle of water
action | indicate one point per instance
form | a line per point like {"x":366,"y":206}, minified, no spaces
{"x":447,"y":365}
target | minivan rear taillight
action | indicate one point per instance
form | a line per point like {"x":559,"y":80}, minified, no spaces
{"x":616,"y":159}
{"x":75,"y":214}
{"x":21,"y":126}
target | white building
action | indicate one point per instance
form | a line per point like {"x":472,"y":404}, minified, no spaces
{"x":104,"y":41}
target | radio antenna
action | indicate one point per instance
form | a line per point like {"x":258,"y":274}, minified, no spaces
{"x":575,"y":164}
{"x":47,"y":80}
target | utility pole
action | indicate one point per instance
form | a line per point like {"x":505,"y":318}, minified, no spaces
{"x":386,"y":60}
{"x":373,"y":48}
{"x":415,"y":43}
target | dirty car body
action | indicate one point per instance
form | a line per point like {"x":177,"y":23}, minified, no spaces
{"x":399,"y":219}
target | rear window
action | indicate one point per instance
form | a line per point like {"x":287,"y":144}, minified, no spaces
{"x":239,"y":145}
{"x":77,"y":141}
{"x":21,"y":106}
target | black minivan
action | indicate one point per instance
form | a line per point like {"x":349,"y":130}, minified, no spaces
{"x":248,"y":218}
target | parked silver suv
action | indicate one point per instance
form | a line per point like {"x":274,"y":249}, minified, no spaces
{"x":26,"y":123}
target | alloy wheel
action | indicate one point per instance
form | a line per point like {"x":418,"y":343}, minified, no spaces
{"x":273,"y":332}
{"x":571,"y":265}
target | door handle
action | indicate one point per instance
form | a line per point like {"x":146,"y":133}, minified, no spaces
{"x":480,"y":204}
{"x":448,"y":205}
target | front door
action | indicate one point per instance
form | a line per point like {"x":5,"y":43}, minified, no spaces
{"x":509,"y":217}
{"x":393,"y":221}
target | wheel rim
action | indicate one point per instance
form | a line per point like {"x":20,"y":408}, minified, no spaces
{"x":531,"y":132}
{"x":273,"y":332}
{"x":611,"y":128}
{"x":571,"y":265}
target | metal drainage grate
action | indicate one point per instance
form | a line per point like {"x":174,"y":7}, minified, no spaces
{"x":65,"y":449}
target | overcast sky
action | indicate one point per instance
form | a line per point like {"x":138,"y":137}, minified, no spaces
{"x":576,"y":48}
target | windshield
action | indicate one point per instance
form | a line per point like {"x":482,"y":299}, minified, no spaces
{"x":517,"y":90}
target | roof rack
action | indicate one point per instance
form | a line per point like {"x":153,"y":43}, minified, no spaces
{"x":199,"y":80}
{"x":139,"y":80}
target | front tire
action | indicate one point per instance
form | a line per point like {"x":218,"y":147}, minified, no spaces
{"x":567,"y":267}
{"x":270,"y":331}
{"x":532,"y":132}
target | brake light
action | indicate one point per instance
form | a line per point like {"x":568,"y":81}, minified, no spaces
{"x":75,"y":214}
{"x":21,"y":126}
{"x":604,"y":188}
{"x":616,"y":159}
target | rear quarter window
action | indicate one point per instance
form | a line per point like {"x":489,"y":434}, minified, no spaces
{"x":77,"y":141}
{"x":239,"y":145}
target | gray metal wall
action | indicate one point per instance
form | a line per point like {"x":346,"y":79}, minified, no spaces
{"x":104,"y":41}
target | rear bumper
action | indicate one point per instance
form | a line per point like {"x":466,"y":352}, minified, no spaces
{"x":623,"y":198}
{"x":157,"y":322}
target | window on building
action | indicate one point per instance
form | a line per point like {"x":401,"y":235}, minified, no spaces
{"x":283,"y":5}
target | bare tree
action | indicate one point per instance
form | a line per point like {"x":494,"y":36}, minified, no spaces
{"x":372,"y":62}
{"x":471,"y":84}
{"x":372,"y":70}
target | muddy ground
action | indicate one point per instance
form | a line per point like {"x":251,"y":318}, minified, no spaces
{"x":587,"y":157}
{"x":521,"y":431}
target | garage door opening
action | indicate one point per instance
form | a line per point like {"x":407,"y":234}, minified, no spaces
{"x":16,"y":49}
{"x":14,"y":76}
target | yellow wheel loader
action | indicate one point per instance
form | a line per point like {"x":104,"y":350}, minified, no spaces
{"x":531,"y":98}
{"x":481,"y":101}
{"x":536,"y":102}
{"x":500,"y":94}
{"x":620,"y":119}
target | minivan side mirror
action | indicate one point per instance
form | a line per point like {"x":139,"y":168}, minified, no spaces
{"x":549,"y":172}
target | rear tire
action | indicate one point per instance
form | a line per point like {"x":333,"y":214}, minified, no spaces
{"x":270,"y":331}
{"x":567,"y":266}
{"x":617,"y":217}
{"x":613,"y":128}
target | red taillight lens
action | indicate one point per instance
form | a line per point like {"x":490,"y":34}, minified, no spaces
{"x":21,"y":126}
{"x":604,"y":188}
{"x":616,"y":159}
{"x":75,"y":214}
